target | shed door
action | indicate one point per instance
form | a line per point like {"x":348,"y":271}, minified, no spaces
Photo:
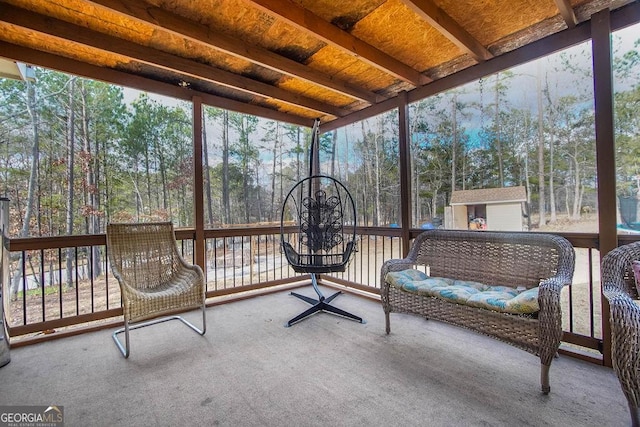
{"x":504,"y":217}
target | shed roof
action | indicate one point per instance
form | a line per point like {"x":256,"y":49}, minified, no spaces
{"x":293,"y":60}
{"x":489,"y":196}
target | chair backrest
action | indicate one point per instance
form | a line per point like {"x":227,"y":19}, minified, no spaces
{"x":496,"y":257}
{"x":145,"y":255}
{"x":318,"y":225}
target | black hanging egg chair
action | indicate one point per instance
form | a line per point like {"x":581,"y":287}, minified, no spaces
{"x":318,"y":233}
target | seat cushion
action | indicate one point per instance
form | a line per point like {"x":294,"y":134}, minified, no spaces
{"x":505,"y":299}
{"x":510,"y":301}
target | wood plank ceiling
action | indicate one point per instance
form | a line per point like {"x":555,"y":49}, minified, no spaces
{"x":293,"y":60}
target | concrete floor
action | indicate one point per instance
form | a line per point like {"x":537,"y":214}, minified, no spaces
{"x":250,"y":370}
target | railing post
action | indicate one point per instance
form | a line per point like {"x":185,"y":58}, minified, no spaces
{"x":4,"y":280}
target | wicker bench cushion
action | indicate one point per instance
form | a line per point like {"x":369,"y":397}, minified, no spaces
{"x":504,"y":299}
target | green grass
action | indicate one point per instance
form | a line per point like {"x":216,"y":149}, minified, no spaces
{"x":48,"y":290}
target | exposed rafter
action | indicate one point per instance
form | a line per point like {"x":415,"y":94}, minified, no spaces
{"x":65,"y":30}
{"x":306,"y":21}
{"x":167,"y":21}
{"x":442,"y":22}
{"x":569,"y":16}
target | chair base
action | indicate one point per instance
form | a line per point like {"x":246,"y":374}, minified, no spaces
{"x":125,"y":349}
{"x":320,"y":304}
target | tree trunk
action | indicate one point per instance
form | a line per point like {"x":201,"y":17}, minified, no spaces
{"x":147,"y":174}
{"x":244,"y":140}
{"x":497,"y":125}
{"x":454,"y":141}
{"x":541,"y":180}
{"x":33,"y":181}
{"x":552,"y":195}
{"x":70,"y":179}
{"x":298,"y":151}
{"x":207,"y":175}
{"x":376,"y":171}
{"x":273,"y":211}
{"x":225,"y":168}
{"x":334,"y":142}
{"x":90,"y":188}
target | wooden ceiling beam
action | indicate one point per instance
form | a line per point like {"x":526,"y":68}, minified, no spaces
{"x":306,"y":21}
{"x":121,"y":78}
{"x":446,"y":25}
{"x":66,"y":31}
{"x":170,"y":22}
{"x":569,"y":16}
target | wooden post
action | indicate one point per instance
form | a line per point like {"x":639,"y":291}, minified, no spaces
{"x":605,"y":152}
{"x":405,"y":171}
{"x":199,"y":245}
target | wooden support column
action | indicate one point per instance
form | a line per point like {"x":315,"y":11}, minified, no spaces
{"x":405,"y":170}
{"x":605,"y":151}
{"x":199,"y":246}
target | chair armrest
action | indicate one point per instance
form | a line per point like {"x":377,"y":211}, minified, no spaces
{"x":121,"y":281}
{"x":622,"y":307}
{"x":395,"y":265}
{"x":392,"y":265}
{"x":188,"y":266}
{"x":549,"y":289}
{"x":552,"y":286}
{"x":194,"y":267}
{"x":549,"y":292}
{"x":125,"y":287}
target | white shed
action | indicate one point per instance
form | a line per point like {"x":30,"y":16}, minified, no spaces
{"x":498,"y":209}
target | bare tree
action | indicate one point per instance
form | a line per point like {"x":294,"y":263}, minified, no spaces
{"x":33,"y":179}
{"x":71,"y":154}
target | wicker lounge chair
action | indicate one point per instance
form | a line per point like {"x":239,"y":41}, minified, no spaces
{"x":155,"y":281}
{"x":620,"y":290}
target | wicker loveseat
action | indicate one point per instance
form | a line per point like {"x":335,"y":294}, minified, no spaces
{"x":452,"y":275}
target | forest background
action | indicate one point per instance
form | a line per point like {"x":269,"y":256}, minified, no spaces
{"x":77,"y":153}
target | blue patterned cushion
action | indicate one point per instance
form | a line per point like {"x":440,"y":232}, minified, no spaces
{"x":492,"y":300}
{"x":400,"y":278}
{"x":525,"y":302}
{"x":428,"y":286}
{"x":475,"y":285}
{"x":456,"y":293}
{"x":504,"y":299}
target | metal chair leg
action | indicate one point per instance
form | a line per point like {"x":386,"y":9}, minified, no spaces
{"x":125,"y":350}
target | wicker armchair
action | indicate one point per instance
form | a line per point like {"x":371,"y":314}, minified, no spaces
{"x":619,"y":288}
{"x":155,"y":281}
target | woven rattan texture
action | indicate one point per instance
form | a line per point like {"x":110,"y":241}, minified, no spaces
{"x":154,"y":278}
{"x":619,"y":288}
{"x":520,"y":331}
{"x":509,"y":259}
